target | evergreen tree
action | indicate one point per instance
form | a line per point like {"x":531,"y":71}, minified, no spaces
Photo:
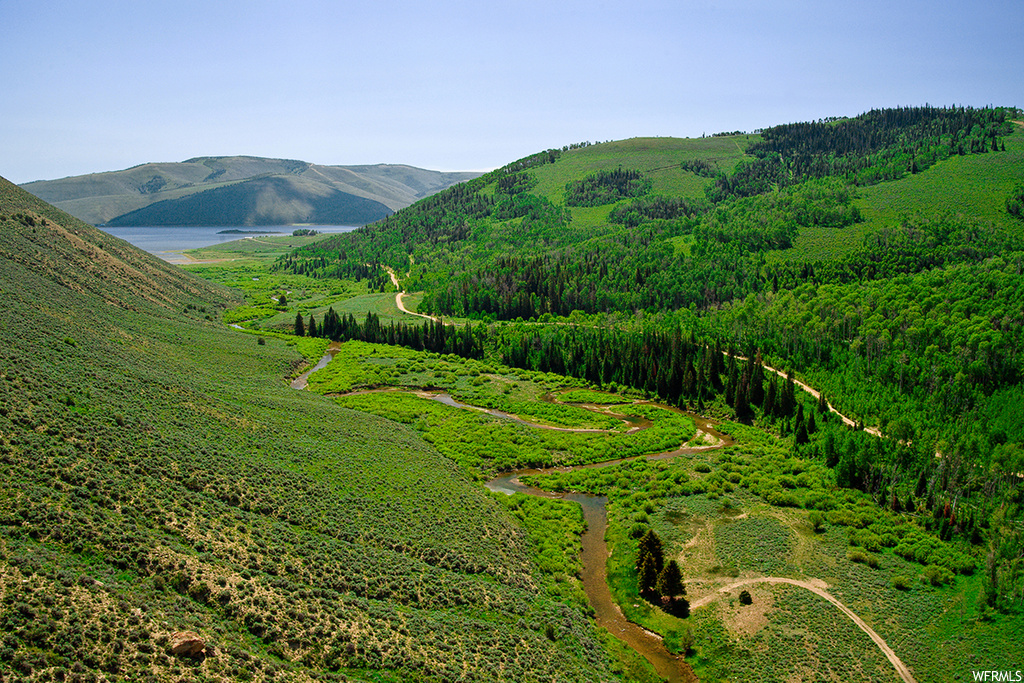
{"x":670,"y":580}
{"x":771,"y":404}
{"x":646,"y":575}
{"x":787,"y":402}
{"x":650,"y":544}
{"x":300,"y":327}
{"x":799,"y":428}
{"x":830,"y":450}
{"x":313,"y":331}
{"x":742,"y":405}
{"x":757,"y":381}
{"x":672,"y":591}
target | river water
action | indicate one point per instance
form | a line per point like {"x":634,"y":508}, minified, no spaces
{"x":594,"y":557}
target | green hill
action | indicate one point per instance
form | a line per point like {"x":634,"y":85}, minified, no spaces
{"x":878,"y":257}
{"x":728,"y":228}
{"x":273,"y":200}
{"x":246,"y":191}
{"x":159,"y":476}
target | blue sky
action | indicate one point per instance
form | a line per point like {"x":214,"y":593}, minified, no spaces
{"x":89,"y":86}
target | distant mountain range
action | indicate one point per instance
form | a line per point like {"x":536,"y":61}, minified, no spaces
{"x":243,"y":190}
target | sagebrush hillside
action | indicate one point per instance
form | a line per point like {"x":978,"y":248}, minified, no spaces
{"x":159,"y":476}
{"x":242,"y":191}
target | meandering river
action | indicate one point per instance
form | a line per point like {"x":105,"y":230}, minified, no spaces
{"x":594,"y":555}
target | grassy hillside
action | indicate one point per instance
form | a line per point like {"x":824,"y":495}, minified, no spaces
{"x":657,"y":158}
{"x":159,"y":476}
{"x":709,"y":220}
{"x":974,"y":186}
{"x":469,"y":230}
{"x":308,"y":192}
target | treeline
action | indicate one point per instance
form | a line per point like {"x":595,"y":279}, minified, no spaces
{"x":640,"y":270}
{"x":701,"y":167}
{"x":883,"y":144}
{"x":606,"y":187}
{"x":662,"y":360}
{"x":878,"y":129}
{"x":646,"y":209}
{"x":515,"y":183}
{"x":771,"y":221}
{"x":431,"y":335}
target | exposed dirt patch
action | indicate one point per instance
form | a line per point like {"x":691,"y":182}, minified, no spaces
{"x":703,"y":440}
{"x":400,"y":296}
{"x":746,"y":620}
{"x":815,"y":586}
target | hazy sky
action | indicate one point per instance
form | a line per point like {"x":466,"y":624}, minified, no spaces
{"x":101,"y":85}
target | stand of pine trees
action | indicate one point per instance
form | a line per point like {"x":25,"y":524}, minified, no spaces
{"x":660,"y":582}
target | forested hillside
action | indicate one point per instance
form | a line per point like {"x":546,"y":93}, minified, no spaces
{"x":908,"y":313}
{"x":160,"y":478}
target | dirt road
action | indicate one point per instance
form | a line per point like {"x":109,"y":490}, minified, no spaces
{"x":401,"y":295}
{"x":816,"y":394}
{"x":817,"y":589}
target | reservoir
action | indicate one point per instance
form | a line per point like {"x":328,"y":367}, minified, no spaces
{"x":168,"y":242}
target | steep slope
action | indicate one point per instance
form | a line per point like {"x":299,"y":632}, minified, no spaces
{"x":99,"y":198}
{"x":158,"y":476}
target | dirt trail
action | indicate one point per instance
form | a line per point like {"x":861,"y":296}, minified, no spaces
{"x":401,"y":295}
{"x":818,"y":589}
{"x":816,"y":394}
{"x":813,"y":392}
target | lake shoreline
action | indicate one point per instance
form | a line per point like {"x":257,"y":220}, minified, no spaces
{"x":170,"y":242}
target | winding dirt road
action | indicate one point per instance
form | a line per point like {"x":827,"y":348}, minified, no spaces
{"x":817,"y":589}
{"x":810,"y":390}
{"x":401,"y":295}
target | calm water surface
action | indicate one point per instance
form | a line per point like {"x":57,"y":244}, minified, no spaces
{"x":168,"y":242}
